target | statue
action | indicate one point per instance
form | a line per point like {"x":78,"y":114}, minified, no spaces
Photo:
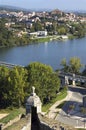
{"x":33,"y":89}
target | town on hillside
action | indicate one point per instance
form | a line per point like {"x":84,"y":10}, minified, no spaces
{"x":24,"y":26}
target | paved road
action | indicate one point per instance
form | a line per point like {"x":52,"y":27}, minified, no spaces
{"x":73,"y":117}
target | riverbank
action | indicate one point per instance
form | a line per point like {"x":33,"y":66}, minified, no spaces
{"x":49,"y":38}
{"x":53,"y":37}
{"x":22,"y":41}
{"x":26,"y":40}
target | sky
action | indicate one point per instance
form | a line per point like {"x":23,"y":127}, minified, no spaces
{"x":47,"y":4}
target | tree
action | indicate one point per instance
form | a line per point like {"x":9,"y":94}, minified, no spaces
{"x":62,"y":30}
{"x":65,"y":66}
{"x":17,"y":81}
{"x":38,"y":26}
{"x":13,"y":86}
{"x":44,"y":79}
{"x":73,"y":66}
{"x":4,"y":90}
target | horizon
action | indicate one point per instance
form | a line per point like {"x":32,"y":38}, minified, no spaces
{"x":41,"y":9}
{"x":41,"y":4}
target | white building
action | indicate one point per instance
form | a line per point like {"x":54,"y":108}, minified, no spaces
{"x":38,"y":33}
{"x":42,"y":33}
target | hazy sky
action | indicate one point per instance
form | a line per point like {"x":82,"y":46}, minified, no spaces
{"x":47,"y":4}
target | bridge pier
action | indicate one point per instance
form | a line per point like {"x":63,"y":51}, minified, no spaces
{"x":73,"y":83}
{"x":66,"y":80}
{"x":73,"y":80}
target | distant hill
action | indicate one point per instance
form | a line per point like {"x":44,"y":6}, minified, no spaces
{"x":13,"y":8}
{"x":55,"y":11}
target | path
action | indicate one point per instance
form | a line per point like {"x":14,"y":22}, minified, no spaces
{"x":3,"y":115}
{"x":73,"y":117}
{"x":54,"y":110}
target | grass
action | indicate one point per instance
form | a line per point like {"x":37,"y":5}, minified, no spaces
{"x":7,"y":110}
{"x":17,"y":125}
{"x":12,"y":114}
{"x":59,"y":97}
{"x":45,"y":39}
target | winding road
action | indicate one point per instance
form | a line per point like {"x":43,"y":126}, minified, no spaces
{"x":73,"y":116}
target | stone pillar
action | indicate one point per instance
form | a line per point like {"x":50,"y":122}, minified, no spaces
{"x":73,"y":83}
{"x":66,"y":80}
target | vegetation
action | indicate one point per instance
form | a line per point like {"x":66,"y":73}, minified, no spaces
{"x":12,"y":86}
{"x":72,"y":66}
{"x":44,"y":79}
{"x":45,"y":39}
{"x":7,"y":37}
{"x":60,"y":96}
{"x":16,"y":83}
{"x":13,"y":113}
{"x":17,"y":34}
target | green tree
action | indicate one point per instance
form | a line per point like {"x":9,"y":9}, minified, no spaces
{"x":17,"y":81}
{"x":6,"y":36}
{"x":38,"y":26}
{"x":13,"y":86}
{"x":62,"y":30}
{"x":4,"y":88}
{"x":73,"y":66}
{"x":44,"y":79}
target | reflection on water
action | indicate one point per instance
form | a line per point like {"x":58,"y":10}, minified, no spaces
{"x":50,"y":53}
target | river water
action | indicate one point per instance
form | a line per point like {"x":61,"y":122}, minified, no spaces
{"x":50,"y":53}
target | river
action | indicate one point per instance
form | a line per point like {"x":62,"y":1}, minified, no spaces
{"x":50,"y":53}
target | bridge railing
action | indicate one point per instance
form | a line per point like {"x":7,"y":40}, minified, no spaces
{"x":72,"y":76}
{"x":8,"y":64}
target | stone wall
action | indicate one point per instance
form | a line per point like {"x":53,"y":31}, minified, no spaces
{"x":45,"y":126}
{"x":36,"y":121}
{"x":50,"y":124}
{"x":3,"y":126}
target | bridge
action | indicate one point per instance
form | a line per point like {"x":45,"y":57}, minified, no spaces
{"x":65,"y":77}
{"x":71,"y":77}
{"x":9,"y":65}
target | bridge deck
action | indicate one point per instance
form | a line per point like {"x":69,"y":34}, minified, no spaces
{"x":9,"y":65}
{"x":72,"y":76}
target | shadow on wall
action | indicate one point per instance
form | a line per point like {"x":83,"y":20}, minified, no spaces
{"x":35,"y":122}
